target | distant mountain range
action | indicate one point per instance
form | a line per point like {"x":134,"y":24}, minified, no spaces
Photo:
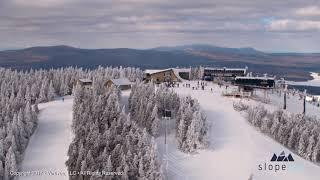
{"x":293,"y":66}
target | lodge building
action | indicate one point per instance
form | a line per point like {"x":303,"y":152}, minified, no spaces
{"x":170,"y":75}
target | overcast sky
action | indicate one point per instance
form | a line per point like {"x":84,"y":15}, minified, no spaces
{"x":269,"y":25}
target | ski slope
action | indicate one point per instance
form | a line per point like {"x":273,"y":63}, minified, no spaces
{"x":48,"y":147}
{"x":236,"y":150}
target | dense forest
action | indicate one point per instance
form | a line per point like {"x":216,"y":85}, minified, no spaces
{"x":147,"y":105}
{"x":20,"y":93}
{"x":107,"y":141}
{"x":298,"y":132}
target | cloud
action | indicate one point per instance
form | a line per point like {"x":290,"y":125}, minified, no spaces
{"x":294,"y":25}
{"x":40,"y":3}
{"x":122,"y":23}
{"x":309,"y":11}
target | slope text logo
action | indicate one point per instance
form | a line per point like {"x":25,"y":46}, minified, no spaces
{"x":277,"y":163}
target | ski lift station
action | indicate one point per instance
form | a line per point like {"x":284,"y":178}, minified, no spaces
{"x":249,"y":83}
{"x":225,"y":74}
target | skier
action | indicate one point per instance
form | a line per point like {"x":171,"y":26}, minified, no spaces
{"x":62,"y":99}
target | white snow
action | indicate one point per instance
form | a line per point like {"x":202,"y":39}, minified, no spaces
{"x":236,"y":147}
{"x":314,"y":82}
{"x":153,"y":71}
{"x":121,"y":81}
{"x":227,"y":69}
{"x":235,"y":152}
{"x":294,"y":103}
{"x":48,"y":147}
{"x":252,"y":77}
{"x":85,"y":80}
{"x":124,"y":98}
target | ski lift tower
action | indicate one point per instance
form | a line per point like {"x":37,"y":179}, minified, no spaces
{"x":285,"y":97}
{"x":167,"y":116}
{"x":304,"y":101}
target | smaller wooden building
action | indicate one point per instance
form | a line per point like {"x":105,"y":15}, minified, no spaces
{"x":84,"y":82}
{"x":121,"y":83}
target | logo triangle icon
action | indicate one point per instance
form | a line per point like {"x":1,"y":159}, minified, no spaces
{"x":274,"y":157}
{"x":290,"y":158}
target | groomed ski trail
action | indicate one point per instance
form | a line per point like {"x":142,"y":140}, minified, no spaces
{"x":48,"y":147}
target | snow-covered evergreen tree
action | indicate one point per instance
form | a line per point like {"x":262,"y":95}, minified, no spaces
{"x":111,"y":141}
{"x":297,"y":132}
{"x":293,"y":139}
{"x":310,"y":147}
{"x":316,"y":152}
{"x":51,"y":92}
{"x":155,"y":121}
{"x":192,"y":128}
{"x":43,"y":97}
{"x":303,"y":143}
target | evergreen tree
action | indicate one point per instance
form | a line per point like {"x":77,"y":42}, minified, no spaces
{"x":51,"y":92}
{"x":303,"y":143}
{"x":43,"y":92}
{"x":10,"y":164}
{"x":310,"y":147}
{"x":316,"y":153}
{"x":293,"y":139}
{"x":155,"y":121}
{"x":141,"y":169}
{"x":1,"y":170}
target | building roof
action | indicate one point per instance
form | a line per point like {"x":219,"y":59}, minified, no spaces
{"x":121,"y":81}
{"x":251,"y":77}
{"x":85,"y":80}
{"x":176,"y":70}
{"x":182,"y":69}
{"x":228,"y":69}
{"x":153,"y":71}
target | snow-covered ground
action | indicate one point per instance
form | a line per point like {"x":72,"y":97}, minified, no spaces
{"x":314,"y":82}
{"x":48,"y":147}
{"x":294,"y":103}
{"x":237,"y":148}
{"x":124,"y":98}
